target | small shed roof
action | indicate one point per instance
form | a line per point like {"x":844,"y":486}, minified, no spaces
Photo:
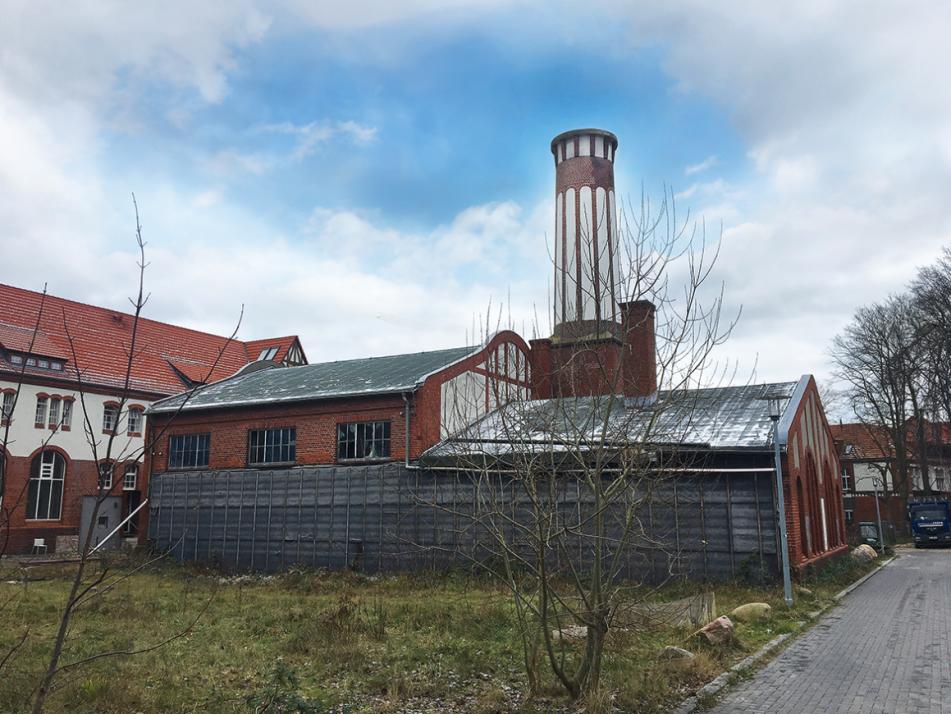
{"x":325,"y":380}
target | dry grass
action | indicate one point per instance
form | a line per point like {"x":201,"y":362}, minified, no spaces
{"x":314,"y":642}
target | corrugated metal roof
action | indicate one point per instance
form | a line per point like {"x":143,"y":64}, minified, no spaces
{"x":714,"y":418}
{"x":326,"y":380}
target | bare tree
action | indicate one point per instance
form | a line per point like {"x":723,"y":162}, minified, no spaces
{"x":560,"y":490}
{"x":109,"y":455}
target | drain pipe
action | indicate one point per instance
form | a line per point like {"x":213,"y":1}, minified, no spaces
{"x":406,"y":433}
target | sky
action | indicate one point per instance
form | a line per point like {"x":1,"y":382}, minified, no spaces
{"x":376,"y":176}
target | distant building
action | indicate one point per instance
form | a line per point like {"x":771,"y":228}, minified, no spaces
{"x":867,"y":458}
{"x":50,"y":468}
{"x":421,"y":410}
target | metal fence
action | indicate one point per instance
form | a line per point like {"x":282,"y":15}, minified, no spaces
{"x":389,"y":518}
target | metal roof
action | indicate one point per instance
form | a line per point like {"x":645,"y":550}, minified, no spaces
{"x":713,"y":418}
{"x":325,"y":380}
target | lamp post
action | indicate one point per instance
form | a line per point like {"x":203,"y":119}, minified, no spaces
{"x":878,"y":516}
{"x":775,"y":411}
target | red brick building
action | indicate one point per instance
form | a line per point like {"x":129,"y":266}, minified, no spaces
{"x":423,"y":407}
{"x":48,"y":463}
{"x":868,"y":464}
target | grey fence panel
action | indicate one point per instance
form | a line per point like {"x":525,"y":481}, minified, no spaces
{"x":389,"y":518}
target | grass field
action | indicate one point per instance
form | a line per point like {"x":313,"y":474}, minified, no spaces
{"x":314,"y":642}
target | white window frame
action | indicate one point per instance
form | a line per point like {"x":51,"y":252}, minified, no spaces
{"x":47,"y":474}
{"x":127,"y":483}
{"x":66,"y":420}
{"x":105,"y":476}
{"x":110,"y":425}
{"x":134,"y":423}
{"x":39,"y":420}
{"x":6,"y":411}
{"x":54,"y":412}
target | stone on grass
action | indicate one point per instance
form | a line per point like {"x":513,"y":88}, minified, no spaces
{"x":677,"y":656}
{"x":572,"y":633}
{"x":718,"y":632}
{"x":864,"y":554}
{"x":803,"y":592}
{"x":752,"y":611}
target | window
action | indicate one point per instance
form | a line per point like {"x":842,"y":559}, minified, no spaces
{"x":849,"y":516}
{"x":130,"y":477}
{"x":8,"y":399}
{"x":135,"y":421}
{"x":268,"y":353}
{"x":31,"y":362}
{"x":67,"y":414}
{"x":363,"y":440}
{"x":45,"y":495}
{"x":105,"y":476}
{"x":57,"y":366}
{"x":188,"y":451}
{"x":939,"y":479}
{"x":272,"y":446}
{"x":40,"y":420}
{"x":54,"y":412}
{"x":110,"y":417}
{"x":43,"y":363}
{"x":847,"y":482}
{"x":16,"y":359}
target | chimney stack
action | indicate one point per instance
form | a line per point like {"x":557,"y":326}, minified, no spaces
{"x":640,"y":350}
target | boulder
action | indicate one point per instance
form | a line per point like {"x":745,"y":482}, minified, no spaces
{"x":718,"y":632}
{"x":677,"y":656}
{"x":572,"y":633}
{"x":803,"y":592}
{"x":752,"y":611}
{"x":864,"y":554}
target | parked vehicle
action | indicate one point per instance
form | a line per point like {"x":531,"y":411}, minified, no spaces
{"x":869,"y":533}
{"x":930,"y":521}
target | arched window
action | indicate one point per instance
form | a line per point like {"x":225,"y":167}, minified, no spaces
{"x":45,"y":497}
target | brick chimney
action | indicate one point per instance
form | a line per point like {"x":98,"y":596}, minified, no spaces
{"x":640,"y":350}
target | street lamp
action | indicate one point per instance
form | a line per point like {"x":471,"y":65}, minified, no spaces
{"x":775,"y":404}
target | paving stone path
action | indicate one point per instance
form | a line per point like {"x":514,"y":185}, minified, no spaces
{"x":885,"y":649}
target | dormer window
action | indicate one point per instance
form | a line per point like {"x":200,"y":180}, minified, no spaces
{"x":268,"y":353}
{"x":38,"y":362}
{"x":16,"y":359}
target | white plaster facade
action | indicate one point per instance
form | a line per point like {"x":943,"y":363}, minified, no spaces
{"x":25,"y":437}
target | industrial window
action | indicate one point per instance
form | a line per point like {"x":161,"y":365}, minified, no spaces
{"x":130,"y":477}
{"x":363,"y":440}
{"x":272,"y":446}
{"x":54,"y":412}
{"x":45,"y":495}
{"x":8,"y":399}
{"x":135,"y":421}
{"x":268,"y":353}
{"x":189,"y":451}
{"x":110,"y":417}
{"x":105,"y":476}
{"x":40,"y":420}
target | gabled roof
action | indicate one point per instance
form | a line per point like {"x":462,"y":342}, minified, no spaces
{"x":101,"y":338}
{"x":726,"y":418}
{"x":861,"y":441}
{"x":326,"y":380}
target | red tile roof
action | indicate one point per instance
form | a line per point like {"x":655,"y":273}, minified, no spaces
{"x":283,"y":344}
{"x":101,"y":339}
{"x":866,"y":441}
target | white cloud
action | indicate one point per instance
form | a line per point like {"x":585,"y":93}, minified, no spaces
{"x":705,"y":165}
{"x":310,"y":136}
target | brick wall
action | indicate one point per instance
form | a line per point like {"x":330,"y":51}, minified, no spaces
{"x":80,"y":480}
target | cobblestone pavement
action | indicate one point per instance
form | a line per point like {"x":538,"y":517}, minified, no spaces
{"x":886,"y":648}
